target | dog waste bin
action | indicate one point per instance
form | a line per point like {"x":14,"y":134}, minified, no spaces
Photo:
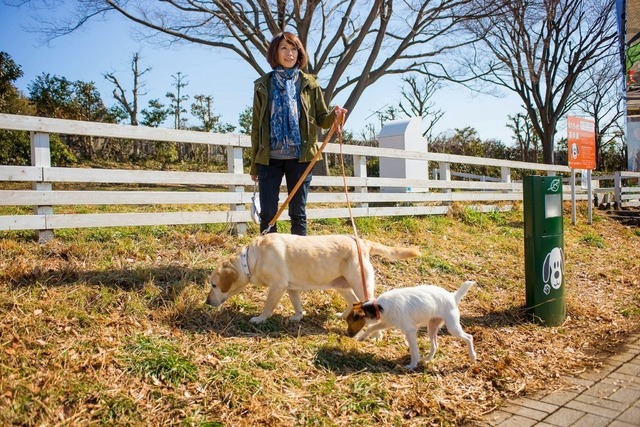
{"x":544,"y":249}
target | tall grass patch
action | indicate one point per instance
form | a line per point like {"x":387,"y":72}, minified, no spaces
{"x":158,"y":359}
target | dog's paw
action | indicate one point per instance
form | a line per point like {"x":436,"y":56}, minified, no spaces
{"x":411,"y":366}
{"x":342,"y":314}
{"x":296,"y":317}
{"x":377,"y":335}
{"x":257,"y":319}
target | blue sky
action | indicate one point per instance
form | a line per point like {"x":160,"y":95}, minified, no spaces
{"x":104,"y":47}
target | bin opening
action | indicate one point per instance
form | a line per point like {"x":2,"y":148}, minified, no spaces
{"x":552,"y":205}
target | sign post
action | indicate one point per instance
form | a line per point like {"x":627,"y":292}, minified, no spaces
{"x":581,"y":148}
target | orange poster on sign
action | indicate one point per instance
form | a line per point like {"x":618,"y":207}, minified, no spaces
{"x":581,"y":143}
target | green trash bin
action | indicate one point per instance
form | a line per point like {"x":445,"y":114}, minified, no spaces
{"x":544,"y":249}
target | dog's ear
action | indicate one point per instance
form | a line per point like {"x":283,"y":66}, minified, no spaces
{"x":355,"y":319}
{"x":357,"y":311}
{"x":228,"y":275}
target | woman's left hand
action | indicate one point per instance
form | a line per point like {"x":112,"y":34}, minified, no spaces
{"x":341,"y":115}
{"x":340,"y":111}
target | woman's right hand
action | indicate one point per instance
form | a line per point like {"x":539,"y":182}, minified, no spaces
{"x":254,"y":178}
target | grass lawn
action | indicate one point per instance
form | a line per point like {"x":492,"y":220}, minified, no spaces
{"x":109,"y":327}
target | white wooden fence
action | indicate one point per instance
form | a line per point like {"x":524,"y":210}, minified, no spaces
{"x":227,"y":196}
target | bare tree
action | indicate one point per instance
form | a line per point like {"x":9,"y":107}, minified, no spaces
{"x":387,"y":114}
{"x":601,"y":98}
{"x":351,"y":44}
{"x":130,"y":107}
{"x":418,"y":98}
{"x":527,"y":139}
{"x":120,"y":94}
{"x":176,"y":107}
{"x":177,"y":100}
{"x":539,"y":48}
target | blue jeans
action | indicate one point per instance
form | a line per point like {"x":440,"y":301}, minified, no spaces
{"x":270,"y":178}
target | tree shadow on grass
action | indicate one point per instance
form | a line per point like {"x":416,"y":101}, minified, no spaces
{"x":507,"y":317}
{"x":171,"y":279}
{"x":227,"y":321}
{"x":346,"y":362}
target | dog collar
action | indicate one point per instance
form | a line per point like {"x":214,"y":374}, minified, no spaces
{"x":376,"y":308}
{"x":244,"y":260}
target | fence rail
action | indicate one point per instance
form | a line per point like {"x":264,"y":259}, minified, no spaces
{"x":225,"y":197}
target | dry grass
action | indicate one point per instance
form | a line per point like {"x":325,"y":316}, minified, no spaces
{"x":109,"y":326}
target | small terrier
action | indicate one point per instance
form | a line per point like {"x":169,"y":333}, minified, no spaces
{"x":408,"y":309}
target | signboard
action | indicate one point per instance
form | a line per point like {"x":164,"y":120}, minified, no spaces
{"x":628,"y":13}
{"x":581,"y":143}
{"x":633,"y":146}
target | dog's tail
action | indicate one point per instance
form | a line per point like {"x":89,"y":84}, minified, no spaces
{"x":391,"y":252}
{"x":462,"y":291}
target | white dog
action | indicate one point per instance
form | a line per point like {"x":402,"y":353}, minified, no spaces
{"x":290,"y":263}
{"x":408,"y":309}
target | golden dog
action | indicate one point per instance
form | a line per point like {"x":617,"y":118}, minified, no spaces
{"x":290,"y":263}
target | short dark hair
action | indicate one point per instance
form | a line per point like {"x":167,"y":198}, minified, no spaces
{"x":272,"y":53}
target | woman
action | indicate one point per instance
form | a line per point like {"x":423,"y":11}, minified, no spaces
{"x":288,"y":110}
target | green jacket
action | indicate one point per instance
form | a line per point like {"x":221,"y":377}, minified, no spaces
{"x":314,"y":115}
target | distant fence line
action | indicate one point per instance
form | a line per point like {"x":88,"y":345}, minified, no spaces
{"x":227,"y":196}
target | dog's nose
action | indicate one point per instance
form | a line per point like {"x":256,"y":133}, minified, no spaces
{"x":214,"y":302}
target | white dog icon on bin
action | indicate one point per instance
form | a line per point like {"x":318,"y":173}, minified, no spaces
{"x":553,"y":269}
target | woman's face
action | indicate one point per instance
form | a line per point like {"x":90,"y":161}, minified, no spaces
{"x":287,"y":54}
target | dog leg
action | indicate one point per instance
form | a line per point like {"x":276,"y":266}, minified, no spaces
{"x":455,"y":329}
{"x":294,"y":296}
{"x":350,"y":297}
{"x":274,"y":295}
{"x":432,"y":328}
{"x":412,"y":338}
{"x":376,"y":329}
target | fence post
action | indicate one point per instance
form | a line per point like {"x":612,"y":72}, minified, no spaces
{"x":505,"y":174}
{"x":617,"y":188}
{"x":360,"y":171}
{"x":235,"y":165}
{"x":445,"y":173}
{"x":41,"y":157}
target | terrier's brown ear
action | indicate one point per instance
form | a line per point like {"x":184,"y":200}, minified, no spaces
{"x":358,"y":313}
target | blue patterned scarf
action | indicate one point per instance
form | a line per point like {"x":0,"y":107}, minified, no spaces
{"x":284,"y":121}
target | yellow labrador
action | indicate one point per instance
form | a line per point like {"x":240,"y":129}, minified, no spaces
{"x":286,"y":262}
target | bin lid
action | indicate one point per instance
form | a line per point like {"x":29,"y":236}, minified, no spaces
{"x":401,"y":127}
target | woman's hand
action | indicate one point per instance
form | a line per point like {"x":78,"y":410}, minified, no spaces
{"x":254,"y":178}
{"x":341,"y":115}
{"x":340,"y":112}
